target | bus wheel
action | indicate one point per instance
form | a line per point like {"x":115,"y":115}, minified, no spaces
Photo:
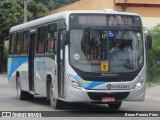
{"x":22,"y":95}
{"x":115,"y":105}
{"x":55,"y":103}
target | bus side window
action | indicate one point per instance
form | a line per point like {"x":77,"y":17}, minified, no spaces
{"x":18,"y":43}
{"x":12,"y":44}
{"x":41,"y":40}
{"x":51,"y":38}
{"x":25,"y":42}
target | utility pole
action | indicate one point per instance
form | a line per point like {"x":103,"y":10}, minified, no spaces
{"x":25,"y":10}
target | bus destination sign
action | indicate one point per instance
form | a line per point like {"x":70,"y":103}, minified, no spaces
{"x":92,"y":20}
{"x":109,"y":20}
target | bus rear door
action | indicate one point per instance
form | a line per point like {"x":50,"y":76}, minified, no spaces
{"x":32,"y":40}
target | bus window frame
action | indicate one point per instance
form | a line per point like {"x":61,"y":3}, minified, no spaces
{"x":37,"y":40}
{"x":21,"y":40}
{"x":23,"y":35}
{"x":55,"y":41}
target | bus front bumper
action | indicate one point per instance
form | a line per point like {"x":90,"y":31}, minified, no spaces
{"x":83,"y":95}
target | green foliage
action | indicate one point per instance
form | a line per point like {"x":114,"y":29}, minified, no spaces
{"x":153,"y":67}
{"x":54,"y":4}
{"x":11,"y":12}
{"x":36,"y":10}
{"x":155,"y":52}
{"x":5,"y":51}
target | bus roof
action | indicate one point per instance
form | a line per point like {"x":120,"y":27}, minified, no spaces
{"x":63,"y":15}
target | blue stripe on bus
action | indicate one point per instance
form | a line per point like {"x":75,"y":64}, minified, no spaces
{"x":94,"y":84}
{"x":88,"y":84}
{"x":14,"y":64}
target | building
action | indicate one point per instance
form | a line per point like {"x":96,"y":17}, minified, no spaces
{"x":148,"y":9}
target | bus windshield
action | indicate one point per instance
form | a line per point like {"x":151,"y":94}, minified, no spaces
{"x":111,"y":51}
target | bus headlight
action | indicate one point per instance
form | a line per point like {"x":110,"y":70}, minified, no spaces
{"x":74,"y":82}
{"x":139,"y":84}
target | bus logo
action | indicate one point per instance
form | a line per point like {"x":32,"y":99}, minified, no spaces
{"x":109,"y":86}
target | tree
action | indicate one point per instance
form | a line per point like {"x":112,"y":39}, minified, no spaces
{"x":155,"y":52}
{"x":11,"y":12}
{"x":153,"y":69}
{"x":36,"y":10}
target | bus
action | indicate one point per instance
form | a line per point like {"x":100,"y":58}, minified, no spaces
{"x":94,"y":56}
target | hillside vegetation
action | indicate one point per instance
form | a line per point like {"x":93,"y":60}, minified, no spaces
{"x":153,"y":67}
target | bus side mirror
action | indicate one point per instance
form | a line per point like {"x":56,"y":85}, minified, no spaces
{"x":149,"y":41}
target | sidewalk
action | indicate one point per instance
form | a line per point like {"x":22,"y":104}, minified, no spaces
{"x":3,"y":74}
{"x":3,"y":79}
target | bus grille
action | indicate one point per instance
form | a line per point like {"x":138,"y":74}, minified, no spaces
{"x":98,"y":96}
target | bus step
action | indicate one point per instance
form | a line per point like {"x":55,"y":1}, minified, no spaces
{"x":32,"y":93}
{"x":61,"y":99}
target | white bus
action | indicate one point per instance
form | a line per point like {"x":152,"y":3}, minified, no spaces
{"x":80,"y":56}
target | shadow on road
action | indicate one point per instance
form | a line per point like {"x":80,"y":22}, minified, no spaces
{"x":79,"y":109}
{"x":75,"y":106}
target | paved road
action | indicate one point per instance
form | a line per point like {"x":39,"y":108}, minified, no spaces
{"x":9,"y":102}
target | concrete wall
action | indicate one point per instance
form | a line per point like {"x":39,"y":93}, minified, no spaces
{"x":150,"y":21}
{"x":145,"y":11}
{"x":148,"y":9}
{"x":150,"y":15}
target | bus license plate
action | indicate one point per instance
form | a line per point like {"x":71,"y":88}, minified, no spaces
{"x":108,"y":99}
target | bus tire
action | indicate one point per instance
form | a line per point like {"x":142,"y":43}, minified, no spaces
{"x":115,"y":105}
{"x":55,"y":103}
{"x":22,"y":95}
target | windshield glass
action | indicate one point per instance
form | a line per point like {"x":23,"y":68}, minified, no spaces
{"x":111,"y":51}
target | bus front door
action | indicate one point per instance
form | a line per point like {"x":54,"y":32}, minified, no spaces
{"x":60,"y":60}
